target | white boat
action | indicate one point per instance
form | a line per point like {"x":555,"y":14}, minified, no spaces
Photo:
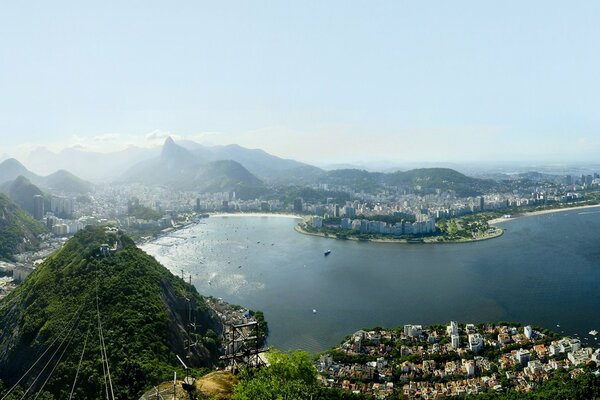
{"x":314,"y":310}
{"x":593,"y":332}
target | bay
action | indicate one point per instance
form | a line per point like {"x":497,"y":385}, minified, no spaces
{"x":545,"y":270}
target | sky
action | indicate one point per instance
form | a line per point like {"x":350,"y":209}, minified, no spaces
{"x":318,"y":81}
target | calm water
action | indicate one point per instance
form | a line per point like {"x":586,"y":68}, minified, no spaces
{"x":544,"y":270}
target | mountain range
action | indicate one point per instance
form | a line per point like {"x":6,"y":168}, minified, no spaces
{"x":61,"y":181}
{"x":187,"y":165}
{"x":178,"y":168}
{"x":264,"y":166}
{"x":191,"y":166}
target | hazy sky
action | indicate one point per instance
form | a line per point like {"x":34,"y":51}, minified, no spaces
{"x":313,"y":80}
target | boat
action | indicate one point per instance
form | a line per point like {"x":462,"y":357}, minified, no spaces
{"x":593,"y":332}
{"x":327,"y":252}
{"x":314,"y":310}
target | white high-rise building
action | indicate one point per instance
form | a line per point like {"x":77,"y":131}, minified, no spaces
{"x":455,"y":341}
{"x":452,"y":329}
{"x":413,"y":330}
{"x":475,"y":342}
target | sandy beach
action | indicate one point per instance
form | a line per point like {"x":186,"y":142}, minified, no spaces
{"x":541,"y":212}
{"x":253,"y":214}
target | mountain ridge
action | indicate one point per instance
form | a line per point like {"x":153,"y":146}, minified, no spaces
{"x":60,"y":181}
{"x":178,"y":168}
{"x":22,"y":192}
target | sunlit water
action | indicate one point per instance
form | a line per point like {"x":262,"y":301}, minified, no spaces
{"x":544,"y":270}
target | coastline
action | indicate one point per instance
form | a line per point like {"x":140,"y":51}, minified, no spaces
{"x":255,"y":214}
{"x":143,"y":240}
{"x":425,"y":240}
{"x":541,"y":212}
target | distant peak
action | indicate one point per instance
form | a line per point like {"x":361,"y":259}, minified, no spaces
{"x":12,"y":161}
{"x":170,"y":147}
{"x":21,"y":179}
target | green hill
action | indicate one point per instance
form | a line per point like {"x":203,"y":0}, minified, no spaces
{"x":440,"y":178}
{"x":426,"y":179}
{"x":21,"y":191}
{"x":222,"y":175}
{"x":18,"y":230}
{"x":64,"y":181}
{"x":80,"y":304}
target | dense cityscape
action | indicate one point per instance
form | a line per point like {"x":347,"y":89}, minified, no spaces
{"x":455,"y":360}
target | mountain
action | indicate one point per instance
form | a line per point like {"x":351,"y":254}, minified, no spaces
{"x":265,"y":166}
{"x":18,"y":230}
{"x":64,"y":181}
{"x":174,"y":154}
{"x":223,"y":175}
{"x":10,"y":169}
{"x":422,"y":179}
{"x":260,"y":163}
{"x":59,"y":181}
{"x":440,"y":178}
{"x":21,"y":191}
{"x":178,"y":168}
{"x":89,"y":165}
{"x":81,"y":303}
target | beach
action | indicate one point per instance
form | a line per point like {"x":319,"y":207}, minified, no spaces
{"x":541,"y":212}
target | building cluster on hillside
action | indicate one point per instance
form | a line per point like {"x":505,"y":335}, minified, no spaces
{"x":456,"y":360}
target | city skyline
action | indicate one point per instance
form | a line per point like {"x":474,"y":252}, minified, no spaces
{"x":320,"y":83}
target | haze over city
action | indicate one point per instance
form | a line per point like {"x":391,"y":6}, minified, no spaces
{"x":332,"y":82}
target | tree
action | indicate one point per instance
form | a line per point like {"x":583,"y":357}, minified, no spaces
{"x":289,"y":376}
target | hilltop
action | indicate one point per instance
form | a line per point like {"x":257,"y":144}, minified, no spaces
{"x":59,"y":181}
{"x":18,"y":230}
{"x":120,"y":302}
{"x":22,"y":191}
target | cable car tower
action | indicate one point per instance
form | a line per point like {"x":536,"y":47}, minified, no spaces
{"x":242,"y":346}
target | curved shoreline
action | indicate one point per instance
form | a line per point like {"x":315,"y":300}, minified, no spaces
{"x":254,"y":214}
{"x":541,"y":212}
{"x":299,"y":229}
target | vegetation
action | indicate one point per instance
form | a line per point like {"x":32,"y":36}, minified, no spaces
{"x":137,"y":210}
{"x":64,"y":181}
{"x":21,"y":191}
{"x":289,"y":194}
{"x":290,"y":376}
{"x":560,"y":387}
{"x":142,"y":308}
{"x":18,"y":230}
{"x":423,"y":180}
{"x":468,"y":227}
